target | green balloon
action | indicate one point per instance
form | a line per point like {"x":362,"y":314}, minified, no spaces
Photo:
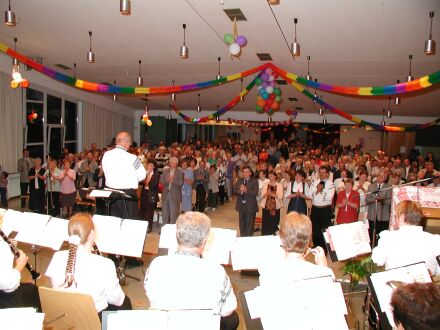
{"x":258,"y":81}
{"x":228,"y":38}
{"x":278,"y":99}
{"x":277,"y":91}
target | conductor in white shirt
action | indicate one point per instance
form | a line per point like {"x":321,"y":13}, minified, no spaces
{"x":409,"y":244}
{"x":123,"y":171}
{"x":185,"y":281}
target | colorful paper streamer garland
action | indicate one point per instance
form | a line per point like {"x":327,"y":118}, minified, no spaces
{"x":296,"y":81}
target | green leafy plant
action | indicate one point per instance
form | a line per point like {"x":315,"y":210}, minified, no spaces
{"x":359,"y":268}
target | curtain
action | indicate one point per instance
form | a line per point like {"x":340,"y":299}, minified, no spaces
{"x":11,"y":124}
{"x":101,"y":125}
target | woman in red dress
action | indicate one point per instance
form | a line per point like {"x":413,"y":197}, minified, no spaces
{"x":347,"y":203}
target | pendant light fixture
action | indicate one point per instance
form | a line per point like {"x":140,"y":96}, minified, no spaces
{"x":169,"y":117}
{"x":146,"y":117}
{"x":324,"y":121}
{"x":410,"y":78}
{"x":125,"y":7}
{"x":389,"y":113}
{"x":173,"y":95}
{"x":295,"y":48}
{"x":217,"y":118}
{"x":16,"y":75}
{"x":397,"y":99}
{"x":10,"y":19}
{"x":430,"y":44}
{"x":115,"y":96}
{"x":74,"y":70}
{"x":383,"y":123}
{"x":241,"y":88}
{"x":140,"y":79}
{"x":308,"y":77}
{"x":184,"y":50}
{"x":199,"y":108}
{"x":219,"y":59}
{"x":90,"y":54}
{"x":321,"y":111}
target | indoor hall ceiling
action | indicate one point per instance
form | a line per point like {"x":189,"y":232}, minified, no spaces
{"x":351,"y":42}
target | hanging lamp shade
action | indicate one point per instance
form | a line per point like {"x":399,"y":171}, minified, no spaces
{"x":430,"y":43}
{"x":90,"y":53}
{"x":125,"y":7}
{"x":10,"y":19}
{"x":184,"y":50}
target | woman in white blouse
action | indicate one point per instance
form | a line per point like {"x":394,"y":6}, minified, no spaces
{"x":361,"y":186}
{"x":78,"y":269}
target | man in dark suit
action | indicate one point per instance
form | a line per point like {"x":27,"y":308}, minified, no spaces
{"x":172,"y":180}
{"x":246,"y":190}
{"x":200,"y":185}
{"x":23,"y":166}
{"x":382,"y":216}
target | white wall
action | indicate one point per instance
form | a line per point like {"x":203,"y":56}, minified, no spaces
{"x":371,"y":139}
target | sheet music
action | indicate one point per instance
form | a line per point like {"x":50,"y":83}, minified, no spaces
{"x":299,"y":303}
{"x":349,"y":240}
{"x":218,"y":245}
{"x":137,"y":320}
{"x":11,"y":221}
{"x":251,"y":252}
{"x":407,"y":274}
{"x":2,"y":211}
{"x":193,"y":319}
{"x":117,"y":236}
{"x":21,"y":318}
{"x":100,"y":193}
{"x":253,"y":302}
{"x":55,"y":233}
{"x":31,"y":227}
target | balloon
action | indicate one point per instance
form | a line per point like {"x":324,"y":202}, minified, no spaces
{"x":269,"y":102}
{"x":271,"y":78}
{"x":275,"y":74}
{"x":277,"y":91}
{"x":258,"y":80}
{"x":265,"y":76}
{"x":241,"y":41}
{"x":228,"y":38}
{"x":269,"y":89}
{"x":272,"y":96}
{"x":24,"y":83}
{"x":264,"y":84}
{"x":258,"y":108}
{"x":272,"y":83}
{"x":265,"y":96}
{"x":266,"y":108}
{"x":14,"y":84}
{"x":268,"y":70}
{"x":289,"y":112}
{"x":34,"y":115}
{"x":234,"y":49}
{"x":149,"y":122}
{"x":275,"y":106}
{"x":278,"y":98}
{"x":261,"y":103}
{"x":259,"y":98}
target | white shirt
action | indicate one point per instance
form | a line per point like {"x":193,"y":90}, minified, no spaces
{"x":297,"y":187}
{"x":94,"y":275}
{"x":9,"y":277}
{"x":405,"y":246}
{"x":289,"y":269}
{"x":325,"y":197}
{"x":122,"y":170}
{"x":187,"y":282}
{"x":363,"y":206}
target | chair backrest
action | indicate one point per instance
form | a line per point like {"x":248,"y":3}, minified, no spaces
{"x":68,"y":310}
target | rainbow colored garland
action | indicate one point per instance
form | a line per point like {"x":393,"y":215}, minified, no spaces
{"x":408,"y":87}
{"x":296,"y":81}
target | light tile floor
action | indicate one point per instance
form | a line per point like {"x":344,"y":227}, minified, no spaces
{"x":224,"y":217}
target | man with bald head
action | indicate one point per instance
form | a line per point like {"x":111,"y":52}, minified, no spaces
{"x":123,"y":171}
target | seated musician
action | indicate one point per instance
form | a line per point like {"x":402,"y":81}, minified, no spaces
{"x":186,"y":281}
{"x":78,"y":269}
{"x":409,"y":243}
{"x":295,"y":231}
{"x":416,"y":306}
{"x":14,"y":294}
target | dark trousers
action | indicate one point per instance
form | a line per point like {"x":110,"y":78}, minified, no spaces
{"x":321,"y":220}
{"x":269,"y":223}
{"x":380,"y":226}
{"x":126,"y":305}
{"x":246,"y":222}
{"x":212,"y":199}
{"x":4,"y":197}
{"x":125,"y":207}
{"x":24,"y":191}
{"x":229,"y":322}
{"x":200,"y":197}
{"x":26,"y":295}
{"x":53,"y":200}
{"x":222,"y":194}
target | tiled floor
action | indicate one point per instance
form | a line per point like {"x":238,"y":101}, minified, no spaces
{"x":223,"y":217}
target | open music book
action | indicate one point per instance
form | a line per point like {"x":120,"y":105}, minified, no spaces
{"x":348,"y":240}
{"x":160,"y":320}
{"x":251,"y":252}
{"x":308,"y":304}
{"x":124,"y":237}
{"x":21,"y":318}
{"x":220,"y":242}
{"x":382,"y":290}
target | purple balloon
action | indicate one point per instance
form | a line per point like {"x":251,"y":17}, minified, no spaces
{"x":241,"y":41}
{"x":264,"y":84}
{"x":272,"y":83}
{"x":265,"y":76}
{"x":269,"y":70}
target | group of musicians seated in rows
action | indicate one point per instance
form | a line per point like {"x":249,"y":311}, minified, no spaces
{"x":187,"y":281}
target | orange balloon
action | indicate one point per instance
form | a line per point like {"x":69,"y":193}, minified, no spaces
{"x":261,"y":103}
{"x":24,"y":83}
{"x":275,"y":106}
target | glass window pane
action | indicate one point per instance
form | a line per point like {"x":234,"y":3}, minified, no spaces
{"x":71,"y":147}
{"x":34,"y":95}
{"x":53,"y":110}
{"x":70,"y":114}
{"x":36,"y":151}
{"x":55,"y":139}
{"x":34,"y":125}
